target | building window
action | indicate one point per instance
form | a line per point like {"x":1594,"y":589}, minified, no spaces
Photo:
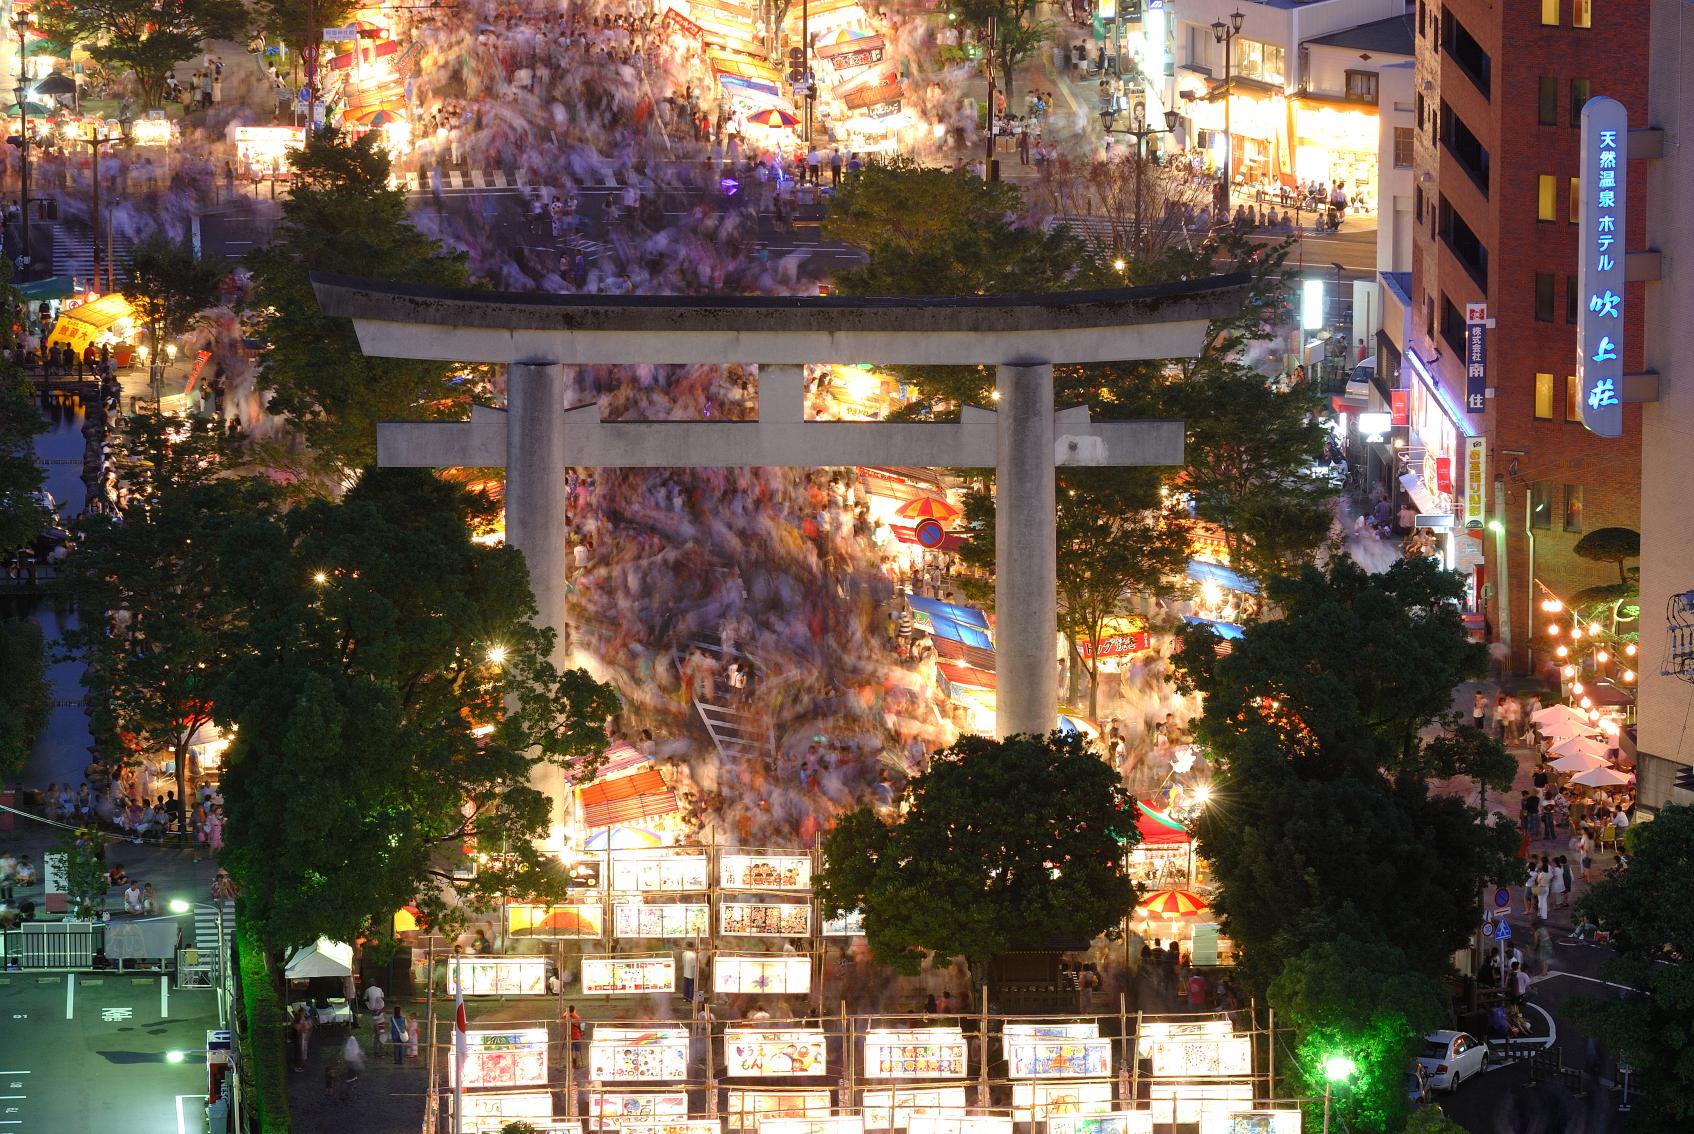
{"x":1550,"y":13}
{"x":1403,"y":147}
{"x":1266,"y":62}
{"x":1543,"y":297}
{"x":1547,"y":102}
{"x":1573,"y":394}
{"x":1547,"y":203}
{"x":1573,"y":507}
{"x":1417,"y":202}
{"x":1579,"y":90}
{"x":1582,"y":13}
{"x":1464,"y":50}
{"x":1570,"y":299}
{"x":1361,"y":86}
{"x":1540,"y":504}
{"x":1576,"y":200}
{"x":1429,"y":317}
{"x":1421,"y":12}
{"x":1543,"y":397}
{"x":1453,"y":327}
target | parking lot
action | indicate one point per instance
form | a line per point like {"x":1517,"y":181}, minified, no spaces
{"x":81,"y":1051}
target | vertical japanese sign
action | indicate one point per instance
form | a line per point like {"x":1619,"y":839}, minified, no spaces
{"x":1599,"y":324}
{"x":1476,"y":480}
{"x":1476,"y":357}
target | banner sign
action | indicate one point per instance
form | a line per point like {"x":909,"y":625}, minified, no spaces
{"x":785,"y":974}
{"x":1117,"y":645}
{"x":1045,"y":1101}
{"x":1191,"y":1102}
{"x":658,"y":872}
{"x":849,"y":924}
{"x":572,"y":921}
{"x":750,"y":1054}
{"x":1059,"y":1059}
{"x":1600,"y":266}
{"x":680,"y":1126}
{"x":1113,"y":1122}
{"x":503,"y":1059}
{"x":1202,"y":1057}
{"x":959,"y":1124}
{"x":742,"y":919}
{"x":930,"y":1053}
{"x":814,"y":1124}
{"x":613,"y":1110}
{"x":1256,"y":1121}
{"x":1013,"y":1032}
{"x":656,"y":1058}
{"x":859,"y":52}
{"x":498,"y":976}
{"x":683,"y":24}
{"x":1476,"y":357}
{"x":1399,"y":411}
{"x":894,"y":1110}
{"x":746,"y":1109}
{"x":1476,"y":481}
{"x":765,"y":872}
{"x":1444,"y":475}
{"x":632,"y":920}
{"x":611,"y":976}
{"x":508,"y":1106}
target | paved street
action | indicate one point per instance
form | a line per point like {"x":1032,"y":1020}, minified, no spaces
{"x":80,"y":1052}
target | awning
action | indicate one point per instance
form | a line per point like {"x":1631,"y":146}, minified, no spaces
{"x":325,"y":959}
{"x":1414,"y":486}
{"x":950,"y":620}
{"x":81,"y":326}
{"x":1226,"y":630}
{"x":626,"y":799}
{"x":53,"y":287}
{"x":1205,"y":571}
{"x":976,"y":657}
{"x":966,"y":675}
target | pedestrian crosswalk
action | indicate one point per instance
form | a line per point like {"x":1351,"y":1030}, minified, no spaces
{"x":73,"y":254}
{"x":459,"y":180}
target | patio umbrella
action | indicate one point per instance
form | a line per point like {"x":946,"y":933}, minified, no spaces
{"x":1553,"y":713}
{"x":623,"y":838}
{"x":928,"y":508}
{"x":376,"y":116}
{"x":1577,"y":762}
{"x":1600,"y":777}
{"x":36,"y":110}
{"x":1580,"y":745}
{"x":774,"y":117}
{"x":1171,"y":903}
{"x":1565,"y":729}
{"x":56,"y":84}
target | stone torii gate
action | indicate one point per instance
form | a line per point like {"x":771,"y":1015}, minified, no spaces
{"x":538,"y":438}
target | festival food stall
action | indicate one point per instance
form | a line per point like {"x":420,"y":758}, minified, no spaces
{"x":262,"y":151}
{"x":107,"y":320}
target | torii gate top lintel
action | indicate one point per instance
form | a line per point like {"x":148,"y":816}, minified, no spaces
{"x":397,"y":320}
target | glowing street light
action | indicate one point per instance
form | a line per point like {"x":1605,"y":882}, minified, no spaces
{"x":1336,"y":1069}
{"x":496,"y":655}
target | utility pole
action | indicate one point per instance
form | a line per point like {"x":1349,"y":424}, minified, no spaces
{"x":1225,"y":34}
{"x":21,"y":22}
{"x":309,"y":57}
{"x":988,"y":171}
{"x":95,"y":141}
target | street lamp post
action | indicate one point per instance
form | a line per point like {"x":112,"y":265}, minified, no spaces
{"x":1225,"y":34}
{"x":1140,"y":132}
{"x":1336,"y":1069}
{"x":21,"y":24}
{"x":95,"y":139}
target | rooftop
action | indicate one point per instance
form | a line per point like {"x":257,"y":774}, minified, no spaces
{"x":1392,"y":36}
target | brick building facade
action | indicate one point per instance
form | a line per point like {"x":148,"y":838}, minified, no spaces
{"x":1499,"y":89}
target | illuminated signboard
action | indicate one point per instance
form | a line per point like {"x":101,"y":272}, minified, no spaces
{"x":508,"y":1106}
{"x":1476,"y":481}
{"x":497,"y":976}
{"x":672,"y":919}
{"x":1476,"y":357}
{"x":893,"y":1109}
{"x":849,"y":924}
{"x":1250,"y":1122}
{"x":814,"y":1124}
{"x":656,"y":1058}
{"x":1112,"y":1122}
{"x":930,"y":1053}
{"x":572,"y":921}
{"x":1045,"y":1101}
{"x":659,"y":872}
{"x":751,"y":1054}
{"x":959,"y":1124}
{"x":612,"y":976}
{"x":605,"y":1033}
{"x":496,"y":1125}
{"x":503,"y":1059}
{"x":608,"y":1110}
{"x":679,"y":1126}
{"x":788,"y":973}
{"x":1191,"y":1102}
{"x":771,"y":919}
{"x":1089,"y":1030}
{"x":765,"y":872}
{"x":1600,"y":265}
{"x":1201,"y":1049}
{"x":747,"y":1108}
{"x":1058,"y":1058}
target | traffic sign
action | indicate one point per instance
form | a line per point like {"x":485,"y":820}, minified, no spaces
{"x":1488,"y":929}
{"x":1502,"y":930}
{"x":1502,"y":897}
{"x":930,"y":533}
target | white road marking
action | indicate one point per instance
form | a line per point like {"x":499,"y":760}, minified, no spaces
{"x":1591,"y":980}
{"x":116,"y":1015}
{"x":70,"y":997}
{"x":181,"y":1126}
{"x":164,"y":997}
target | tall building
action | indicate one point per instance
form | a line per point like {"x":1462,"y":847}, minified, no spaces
{"x":1664,"y":739}
{"x":1499,"y":90}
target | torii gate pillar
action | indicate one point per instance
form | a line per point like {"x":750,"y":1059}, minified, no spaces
{"x":1026,"y":602}
{"x":536,"y":467}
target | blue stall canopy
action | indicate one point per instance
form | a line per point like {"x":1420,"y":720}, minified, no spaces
{"x":951,"y":620}
{"x":1227,"y":630}
{"x":1205,"y":571}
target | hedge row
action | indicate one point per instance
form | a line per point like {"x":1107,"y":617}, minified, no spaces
{"x":264,"y":1048}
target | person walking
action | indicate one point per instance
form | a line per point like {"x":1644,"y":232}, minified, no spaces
{"x":1563,"y":866}
{"x":1479,"y":711}
{"x":302,"y":1038}
{"x":353,"y":1058}
{"x":835,"y":168}
{"x":690,"y":967}
{"x":398,"y":1035}
{"x":1543,"y":949}
{"x":574,"y":1023}
{"x":1543,"y":887}
{"x":1557,"y":883}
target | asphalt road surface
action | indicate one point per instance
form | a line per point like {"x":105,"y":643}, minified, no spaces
{"x":87,"y":1052}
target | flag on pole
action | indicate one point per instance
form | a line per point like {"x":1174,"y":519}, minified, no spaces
{"x":461,"y":1048}
{"x":461,"y":1038}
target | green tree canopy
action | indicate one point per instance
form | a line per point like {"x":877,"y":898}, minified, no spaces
{"x":1648,"y":1029}
{"x":342,"y":216}
{"x":22,"y":517}
{"x":1004,"y":843}
{"x":1359,"y":1001}
{"x":23,"y":693}
{"x":152,"y":570}
{"x":169,"y":287}
{"x":1018,"y":30}
{"x":142,"y":36}
{"x":1611,"y":545}
{"x":1324,"y":727}
{"x":382,"y":646}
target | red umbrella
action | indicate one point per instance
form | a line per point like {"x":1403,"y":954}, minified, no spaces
{"x":774,"y":117}
{"x":928,"y":508}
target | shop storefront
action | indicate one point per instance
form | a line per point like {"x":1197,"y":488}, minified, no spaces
{"x":1336,"y":144}
{"x":1431,"y":472}
{"x":1257,"y":128}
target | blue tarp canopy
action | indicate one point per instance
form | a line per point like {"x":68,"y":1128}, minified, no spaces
{"x":1205,"y":571}
{"x":952,"y":621}
{"x":1222,"y":629}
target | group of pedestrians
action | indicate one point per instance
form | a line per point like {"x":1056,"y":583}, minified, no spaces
{"x":391,"y":1029}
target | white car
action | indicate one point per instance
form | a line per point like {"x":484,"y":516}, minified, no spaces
{"x":1451,"y":1057}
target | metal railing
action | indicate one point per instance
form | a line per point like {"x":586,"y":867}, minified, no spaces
{"x":52,"y":944}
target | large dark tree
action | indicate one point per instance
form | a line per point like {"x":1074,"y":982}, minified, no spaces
{"x":342,"y":216}
{"x":1324,"y":727}
{"x":147,"y":37}
{"x":1652,"y":928}
{"x":23,"y":693}
{"x":1002,"y":844}
{"x":22,"y":517}
{"x":374,"y":743}
{"x":169,"y":287}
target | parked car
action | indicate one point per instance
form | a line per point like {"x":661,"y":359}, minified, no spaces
{"x":1451,"y":1057}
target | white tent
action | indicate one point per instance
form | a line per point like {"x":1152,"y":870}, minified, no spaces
{"x":1600,"y":777}
{"x":325,"y":959}
{"x":1580,"y":746}
{"x":1555,"y":713}
{"x":1577,"y":762}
